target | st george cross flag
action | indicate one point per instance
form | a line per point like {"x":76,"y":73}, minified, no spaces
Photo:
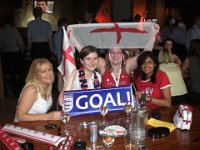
{"x":111,"y":35}
{"x":68,"y":63}
{"x":104,"y":35}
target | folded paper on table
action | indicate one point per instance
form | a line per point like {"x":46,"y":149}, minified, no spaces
{"x":33,"y":134}
{"x":157,"y":123}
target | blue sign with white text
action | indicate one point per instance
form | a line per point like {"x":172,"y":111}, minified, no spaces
{"x":85,"y":102}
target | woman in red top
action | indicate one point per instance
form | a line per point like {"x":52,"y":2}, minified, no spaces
{"x":152,"y":82}
{"x":115,"y":69}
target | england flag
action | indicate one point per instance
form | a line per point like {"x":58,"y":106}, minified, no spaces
{"x":68,"y":63}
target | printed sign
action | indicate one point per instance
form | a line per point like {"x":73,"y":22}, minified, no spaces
{"x":84,"y":102}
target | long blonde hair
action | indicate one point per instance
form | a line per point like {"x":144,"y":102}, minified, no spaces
{"x":165,"y":56}
{"x":34,"y":69}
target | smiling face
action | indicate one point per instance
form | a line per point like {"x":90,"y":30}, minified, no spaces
{"x":148,"y":67}
{"x":90,"y":61}
{"x":116,"y":56}
{"x":45,"y":75}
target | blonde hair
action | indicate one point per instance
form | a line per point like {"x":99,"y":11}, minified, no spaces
{"x":165,"y":56}
{"x":34,"y":69}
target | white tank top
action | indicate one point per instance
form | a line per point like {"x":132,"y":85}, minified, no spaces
{"x":40,"y":106}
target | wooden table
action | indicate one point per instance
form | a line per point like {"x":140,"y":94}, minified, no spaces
{"x":177,"y":140}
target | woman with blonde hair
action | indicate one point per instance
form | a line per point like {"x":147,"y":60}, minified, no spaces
{"x":173,"y":71}
{"x":168,"y":45}
{"x":36,"y":97}
{"x":165,"y":56}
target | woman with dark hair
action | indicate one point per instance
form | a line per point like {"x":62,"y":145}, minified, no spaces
{"x":152,"y":82}
{"x":192,"y":65}
{"x":86,"y":77}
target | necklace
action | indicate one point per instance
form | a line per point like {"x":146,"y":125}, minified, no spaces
{"x":116,"y":79}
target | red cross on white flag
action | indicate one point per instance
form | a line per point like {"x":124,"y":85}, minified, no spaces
{"x":110,"y":35}
{"x":68,"y":63}
{"x":104,"y":35}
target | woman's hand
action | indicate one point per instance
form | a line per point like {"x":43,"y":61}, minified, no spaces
{"x":73,"y":74}
{"x":68,"y":86}
{"x":70,"y":81}
{"x":156,"y":27}
{"x":139,"y":96}
{"x":54,"y":115}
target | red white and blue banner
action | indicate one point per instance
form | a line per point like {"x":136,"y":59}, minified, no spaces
{"x":87,"y":102}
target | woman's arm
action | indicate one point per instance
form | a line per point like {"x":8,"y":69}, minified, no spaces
{"x":26,"y":101}
{"x":177,"y":59}
{"x":101,"y":67}
{"x":165,"y":101}
{"x":68,"y":86}
{"x":131,"y":64}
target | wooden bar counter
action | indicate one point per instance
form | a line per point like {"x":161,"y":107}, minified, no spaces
{"x":177,"y":140}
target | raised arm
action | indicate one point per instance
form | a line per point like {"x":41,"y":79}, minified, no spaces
{"x":67,"y":86}
{"x":177,"y":60}
{"x":26,"y":101}
{"x":101,"y":67}
{"x":131,"y":64}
